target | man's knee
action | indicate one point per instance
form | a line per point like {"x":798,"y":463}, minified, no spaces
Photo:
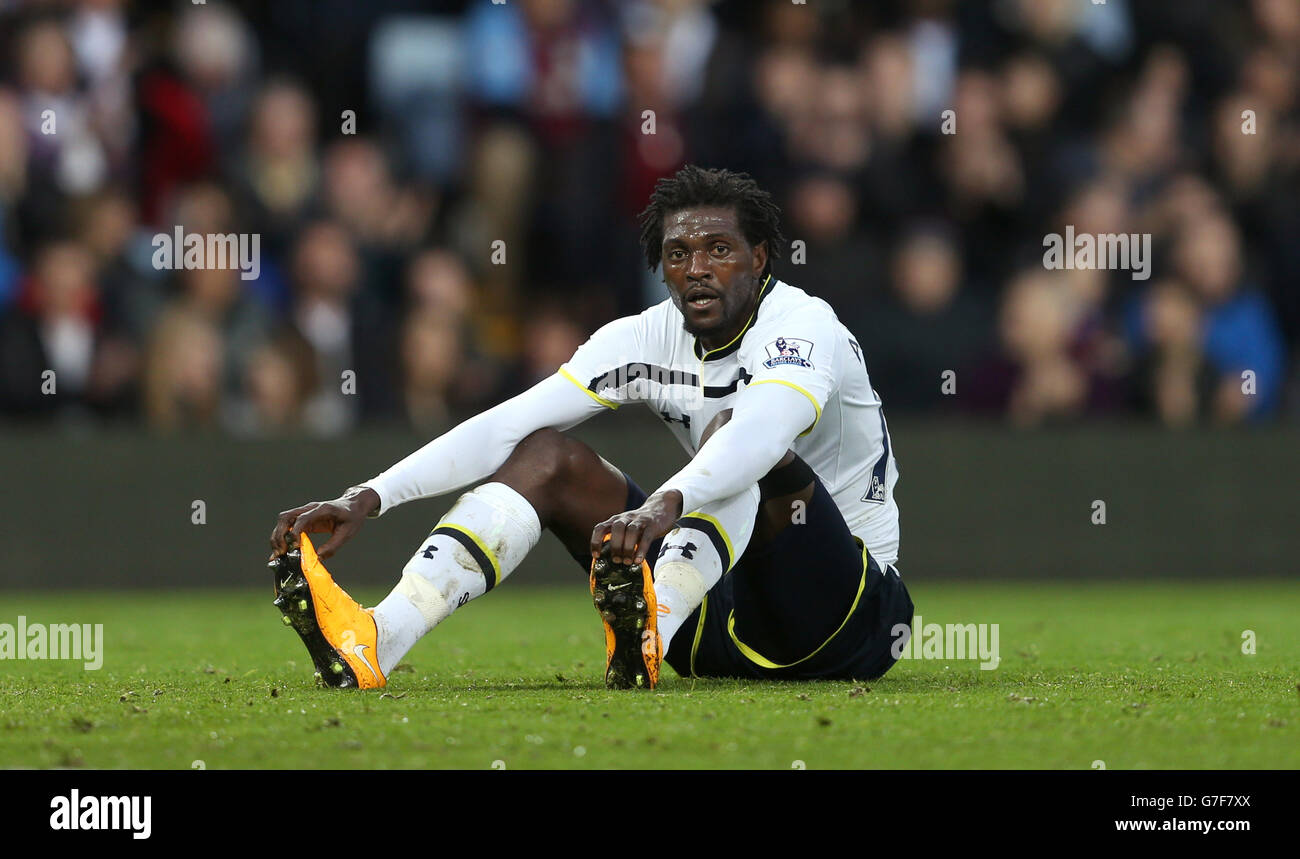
{"x":569,"y":485}
{"x":550,"y":456}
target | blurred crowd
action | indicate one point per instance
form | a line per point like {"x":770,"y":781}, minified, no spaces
{"x":446,"y":194}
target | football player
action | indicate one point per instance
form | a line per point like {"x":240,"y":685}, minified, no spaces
{"x":771,"y":554}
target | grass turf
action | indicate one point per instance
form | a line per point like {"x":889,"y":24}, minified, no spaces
{"x":1137,"y":676}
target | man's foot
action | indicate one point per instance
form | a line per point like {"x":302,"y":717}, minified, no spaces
{"x":340,"y":635}
{"x":624,"y":595}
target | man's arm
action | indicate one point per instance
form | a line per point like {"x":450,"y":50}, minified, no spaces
{"x":474,"y":449}
{"x":764,"y":424}
{"x":465,"y":454}
{"x":767,"y":419}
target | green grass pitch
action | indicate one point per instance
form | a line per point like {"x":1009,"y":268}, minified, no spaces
{"x":1136,"y":676}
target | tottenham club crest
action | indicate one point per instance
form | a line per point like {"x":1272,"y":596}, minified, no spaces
{"x":788,"y":350}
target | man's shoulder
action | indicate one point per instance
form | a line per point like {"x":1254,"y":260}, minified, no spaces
{"x":792,"y":330}
{"x":662,"y":315}
{"x":792,"y":315}
{"x":654,"y":318}
{"x":790,"y":302}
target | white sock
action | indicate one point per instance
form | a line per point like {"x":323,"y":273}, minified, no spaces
{"x":480,"y":541}
{"x":694,"y":556}
{"x":679,"y":588}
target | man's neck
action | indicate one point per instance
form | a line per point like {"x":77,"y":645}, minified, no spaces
{"x":710,"y":342}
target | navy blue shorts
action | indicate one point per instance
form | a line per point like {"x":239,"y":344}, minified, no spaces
{"x":809,"y":604}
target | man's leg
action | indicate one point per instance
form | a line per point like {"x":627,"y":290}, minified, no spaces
{"x":549,"y":481}
{"x":708,"y":542}
{"x":803,"y":600}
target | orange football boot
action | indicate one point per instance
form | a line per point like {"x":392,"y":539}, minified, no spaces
{"x":624,"y":595}
{"x":340,"y":635}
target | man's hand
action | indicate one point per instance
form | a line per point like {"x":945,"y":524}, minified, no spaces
{"x":341,"y":517}
{"x":632,"y":532}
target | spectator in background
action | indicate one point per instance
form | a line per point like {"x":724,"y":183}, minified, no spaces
{"x":1236,"y":332}
{"x":72,"y":158}
{"x":1099,"y":207}
{"x":783,"y":77}
{"x":1030,"y":102}
{"x":219,"y":296}
{"x":437,"y":279}
{"x":431,"y":351}
{"x":218,"y":57}
{"x":838,"y":261}
{"x":183,"y":388}
{"x":984,"y":180}
{"x":1034,"y":378}
{"x":899,"y":180}
{"x":348,"y":330}
{"x":929,"y":324}
{"x":832,"y":132}
{"x":1257,"y":174}
{"x":13,"y":181}
{"x":1172,"y":365}
{"x":55,"y":327}
{"x":1279,"y":20}
{"x":655,"y":98}
{"x":131,"y":290}
{"x":97,"y":31}
{"x":1185,"y":197}
{"x":325,"y":276}
{"x":498,"y":206}
{"x":277,"y":174}
{"x":651,"y":85}
{"x":439,"y":287}
{"x":64,"y":155}
{"x":550,"y":337}
{"x":176,"y":145}
{"x":280,"y":375}
{"x":891,"y":80}
{"x":385,"y":220}
{"x":1142,"y":143}
{"x":555,"y":60}
{"x":557,"y":64}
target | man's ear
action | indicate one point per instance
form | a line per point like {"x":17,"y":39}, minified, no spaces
{"x":760,"y":257}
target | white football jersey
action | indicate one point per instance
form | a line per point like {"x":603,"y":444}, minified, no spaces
{"x":792,"y":339}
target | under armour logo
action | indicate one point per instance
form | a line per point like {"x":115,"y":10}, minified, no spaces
{"x":429,"y":550}
{"x":687,"y":550}
{"x":684,"y":420}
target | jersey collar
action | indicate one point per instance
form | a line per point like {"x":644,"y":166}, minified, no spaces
{"x":734,"y":345}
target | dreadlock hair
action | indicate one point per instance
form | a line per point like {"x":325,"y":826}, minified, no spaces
{"x":692,"y":186}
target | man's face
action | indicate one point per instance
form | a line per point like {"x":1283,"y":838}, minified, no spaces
{"x":712,"y":272}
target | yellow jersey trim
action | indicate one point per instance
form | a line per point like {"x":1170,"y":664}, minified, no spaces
{"x":604,"y":402}
{"x":803,"y":391}
{"x":762,"y":291}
